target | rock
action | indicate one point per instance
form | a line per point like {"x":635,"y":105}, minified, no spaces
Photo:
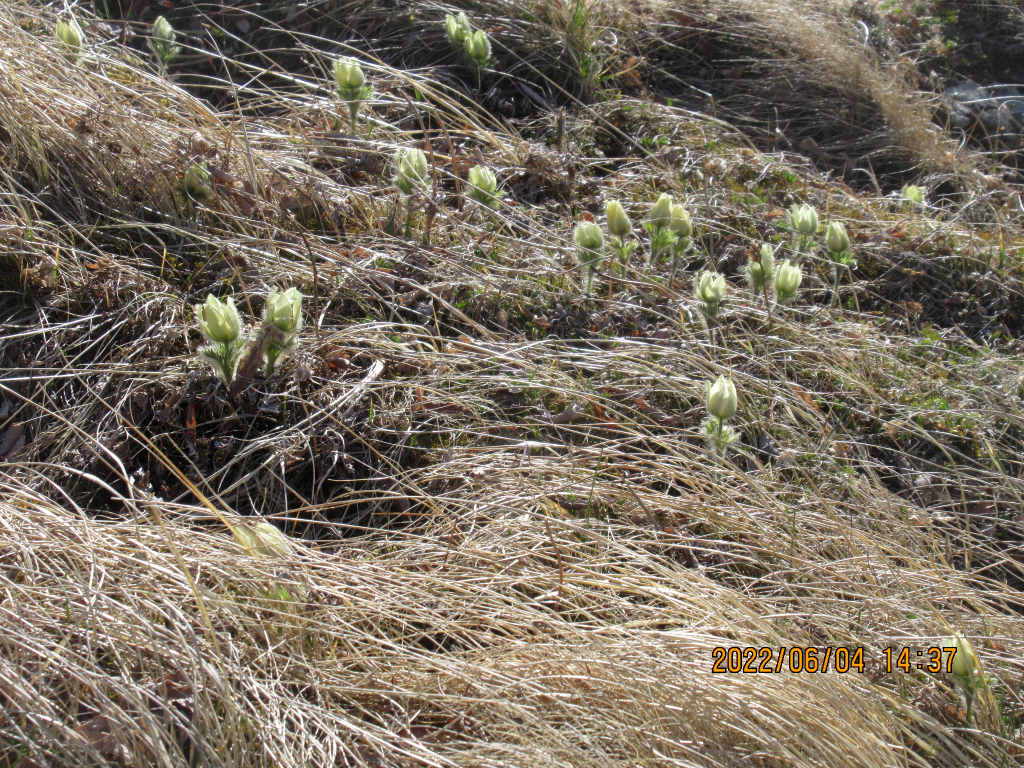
{"x":986,"y":112}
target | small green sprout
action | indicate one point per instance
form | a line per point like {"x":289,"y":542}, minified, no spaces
{"x":913,"y":194}
{"x":197,"y":182}
{"x":221,"y":324}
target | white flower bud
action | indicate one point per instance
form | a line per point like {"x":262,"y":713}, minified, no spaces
{"x":710,"y":287}
{"x":661,"y":212}
{"x":69,"y":36}
{"x":588,"y":236}
{"x":284,"y":311}
{"x":913,"y":194}
{"x":412,"y":170}
{"x":804,"y":219}
{"x":787,"y":282}
{"x":478,"y":47}
{"x":350,"y":78}
{"x":618,"y":222}
{"x":483,"y":185}
{"x":722,"y":398}
{"x":162,"y":42}
{"x":964,"y":663}
{"x":458,"y":28}
{"x":680,"y":223}
{"x":836,"y":239}
{"x":219,"y":321}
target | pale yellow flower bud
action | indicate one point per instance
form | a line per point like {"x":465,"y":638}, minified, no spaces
{"x":661,"y":212}
{"x":618,"y":222}
{"x":458,"y":28}
{"x":219,"y":321}
{"x":710,"y":287}
{"x":787,"y":282}
{"x":680,"y":223}
{"x":836,"y":239}
{"x":588,"y":236}
{"x":284,"y":311}
{"x":412,"y":170}
{"x":804,"y":219}
{"x":722,"y":398}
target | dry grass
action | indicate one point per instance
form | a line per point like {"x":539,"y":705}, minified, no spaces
{"x":512,"y":547}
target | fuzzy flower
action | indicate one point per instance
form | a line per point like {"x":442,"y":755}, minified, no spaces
{"x":219,"y":322}
{"x":803,"y":219}
{"x":349,"y":76}
{"x":660,"y":216}
{"x":680,"y":221}
{"x":710,"y":287}
{"x":412,"y":170}
{"x":787,"y":282}
{"x":69,"y":37}
{"x":458,"y":28}
{"x":836,"y":239}
{"x":721,"y":398}
{"x":964,"y":663}
{"x":590,"y":239}
{"x":588,"y":236}
{"x":282,"y":317}
{"x":222,"y":326}
{"x":162,"y":42}
{"x":483,"y":186}
{"x":618,"y":222}
{"x":284,"y":310}
{"x":478,"y":48}
{"x":913,"y":194}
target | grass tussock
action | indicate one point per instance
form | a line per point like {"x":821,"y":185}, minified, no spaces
{"x":503,"y":535}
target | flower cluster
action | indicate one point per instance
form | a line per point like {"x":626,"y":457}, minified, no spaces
{"x":222,"y":326}
{"x":474,"y":44}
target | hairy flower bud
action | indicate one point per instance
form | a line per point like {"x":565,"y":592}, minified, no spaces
{"x":913,"y":194}
{"x":69,"y":36}
{"x":804,"y":219}
{"x":284,"y":311}
{"x":478,"y":48}
{"x":588,"y":236}
{"x":197,"y":182}
{"x":162,"y":42}
{"x":412,"y":170}
{"x":458,"y":28}
{"x":836,"y":239}
{"x":219,"y":321}
{"x":483,"y":185}
{"x":680,"y":222}
{"x":661,"y":212}
{"x":787,"y":282}
{"x":618,"y":222}
{"x":349,"y":76}
{"x":964,"y":662}
{"x":709,"y":287}
{"x":722,"y":398}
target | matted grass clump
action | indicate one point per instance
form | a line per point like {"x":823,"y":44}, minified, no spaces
{"x":446,"y":481}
